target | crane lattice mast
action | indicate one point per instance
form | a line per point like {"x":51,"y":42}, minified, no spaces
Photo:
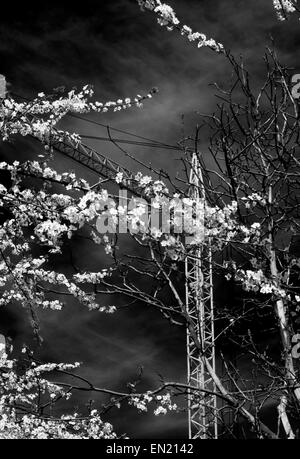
{"x":95,"y":161}
{"x":202,"y":407}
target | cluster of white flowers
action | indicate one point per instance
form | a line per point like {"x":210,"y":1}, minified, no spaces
{"x":253,"y":200}
{"x":34,"y":168}
{"x":167,"y":18}
{"x":201,"y":39}
{"x":51,"y":216}
{"x":173,"y":246}
{"x":54,"y":216}
{"x":40,"y":116}
{"x":119,"y":177}
{"x":140,"y":402}
{"x":145,"y":180}
{"x":256,"y":281}
{"x":50,"y":231}
{"x":163,"y":402}
{"x":93,"y":278}
{"x":196,"y":219}
{"x":84,"y":298}
{"x":150,"y":186}
{"x":20,"y":399}
{"x":220,"y":222}
{"x":283,"y":8}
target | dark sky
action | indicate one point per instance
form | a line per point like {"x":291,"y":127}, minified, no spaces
{"x":123,"y":52}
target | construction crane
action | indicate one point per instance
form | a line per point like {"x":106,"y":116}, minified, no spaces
{"x":202,"y":413}
{"x":202,"y":408}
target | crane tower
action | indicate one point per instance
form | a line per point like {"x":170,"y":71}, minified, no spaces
{"x":202,"y":407}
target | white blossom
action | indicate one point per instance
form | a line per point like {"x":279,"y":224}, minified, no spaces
{"x":283,"y":8}
{"x":167,"y":18}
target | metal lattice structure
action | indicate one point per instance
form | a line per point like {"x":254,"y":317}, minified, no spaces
{"x":95,"y":161}
{"x":202,"y":407}
{"x":202,"y":419}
